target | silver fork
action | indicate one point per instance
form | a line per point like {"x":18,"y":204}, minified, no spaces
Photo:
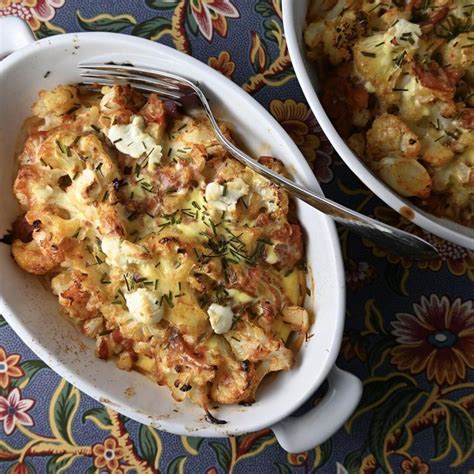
{"x":190,"y":97}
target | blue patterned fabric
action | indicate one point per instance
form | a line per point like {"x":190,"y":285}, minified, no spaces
{"x":410,"y":326}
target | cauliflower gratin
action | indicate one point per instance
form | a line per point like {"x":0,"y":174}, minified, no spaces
{"x":404,"y":69}
{"x":180,"y":262}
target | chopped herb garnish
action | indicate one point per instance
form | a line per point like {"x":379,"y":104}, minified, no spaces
{"x":98,"y":262}
{"x":105,"y":279}
{"x":61,"y":147}
{"x":169,"y":299}
{"x":147,"y":187}
{"x":106,"y":195}
{"x":73,"y":109}
{"x":148,"y":190}
{"x":98,"y":168}
{"x":146,"y":157}
{"x":368,"y":54}
{"x":126,"y":282}
{"x":117,"y":141}
{"x":399,"y":59}
{"x":452,"y":26}
{"x":398,"y":89}
{"x":99,"y":244}
{"x":375,"y":7}
{"x":95,"y":128}
{"x":187,"y":213}
{"x":138,"y":170}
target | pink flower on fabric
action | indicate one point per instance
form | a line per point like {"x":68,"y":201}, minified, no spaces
{"x":212,"y":14}
{"x":45,"y":9}
{"x":33,"y":11}
{"x":13,"y":411}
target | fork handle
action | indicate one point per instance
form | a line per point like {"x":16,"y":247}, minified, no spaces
{"x":400,"y":242}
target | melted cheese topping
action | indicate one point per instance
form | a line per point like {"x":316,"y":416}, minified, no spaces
{"x":160,"y":245}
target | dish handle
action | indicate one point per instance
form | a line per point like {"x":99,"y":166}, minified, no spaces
{"x":14,"y":34}
{"x":298,"y":434}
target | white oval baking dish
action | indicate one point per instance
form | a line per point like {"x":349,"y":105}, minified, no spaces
{"x":33,"y":312}
{"x":294,"y":20}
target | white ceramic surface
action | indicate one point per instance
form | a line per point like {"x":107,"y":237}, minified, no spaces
{"x":33,"y":312}
{"x":294,"y":20}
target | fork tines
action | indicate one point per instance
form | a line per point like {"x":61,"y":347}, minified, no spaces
{"x":166,"y":85}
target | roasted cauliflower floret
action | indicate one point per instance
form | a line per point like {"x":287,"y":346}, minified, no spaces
{"x":459,"y":52}
{"x":249,"y":342}
{"x":297,"y":317}
{"x":334,"y":38}
{"x":357,"y":144}
{"x":379,"y":58}
{"x":433,"y":151}
{"x":458,"y":175}
{"x":120,"y":96}
{"x":415,"y":102}
{"x":56,"y":102}
{"x":389,"y":135}
{"x":80,"y":298}
{"x":407,"y":176}
{"x":120,"y":253}
{"x":30,"y":258}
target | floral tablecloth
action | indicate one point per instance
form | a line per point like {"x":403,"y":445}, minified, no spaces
{"x":410,"y":327}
